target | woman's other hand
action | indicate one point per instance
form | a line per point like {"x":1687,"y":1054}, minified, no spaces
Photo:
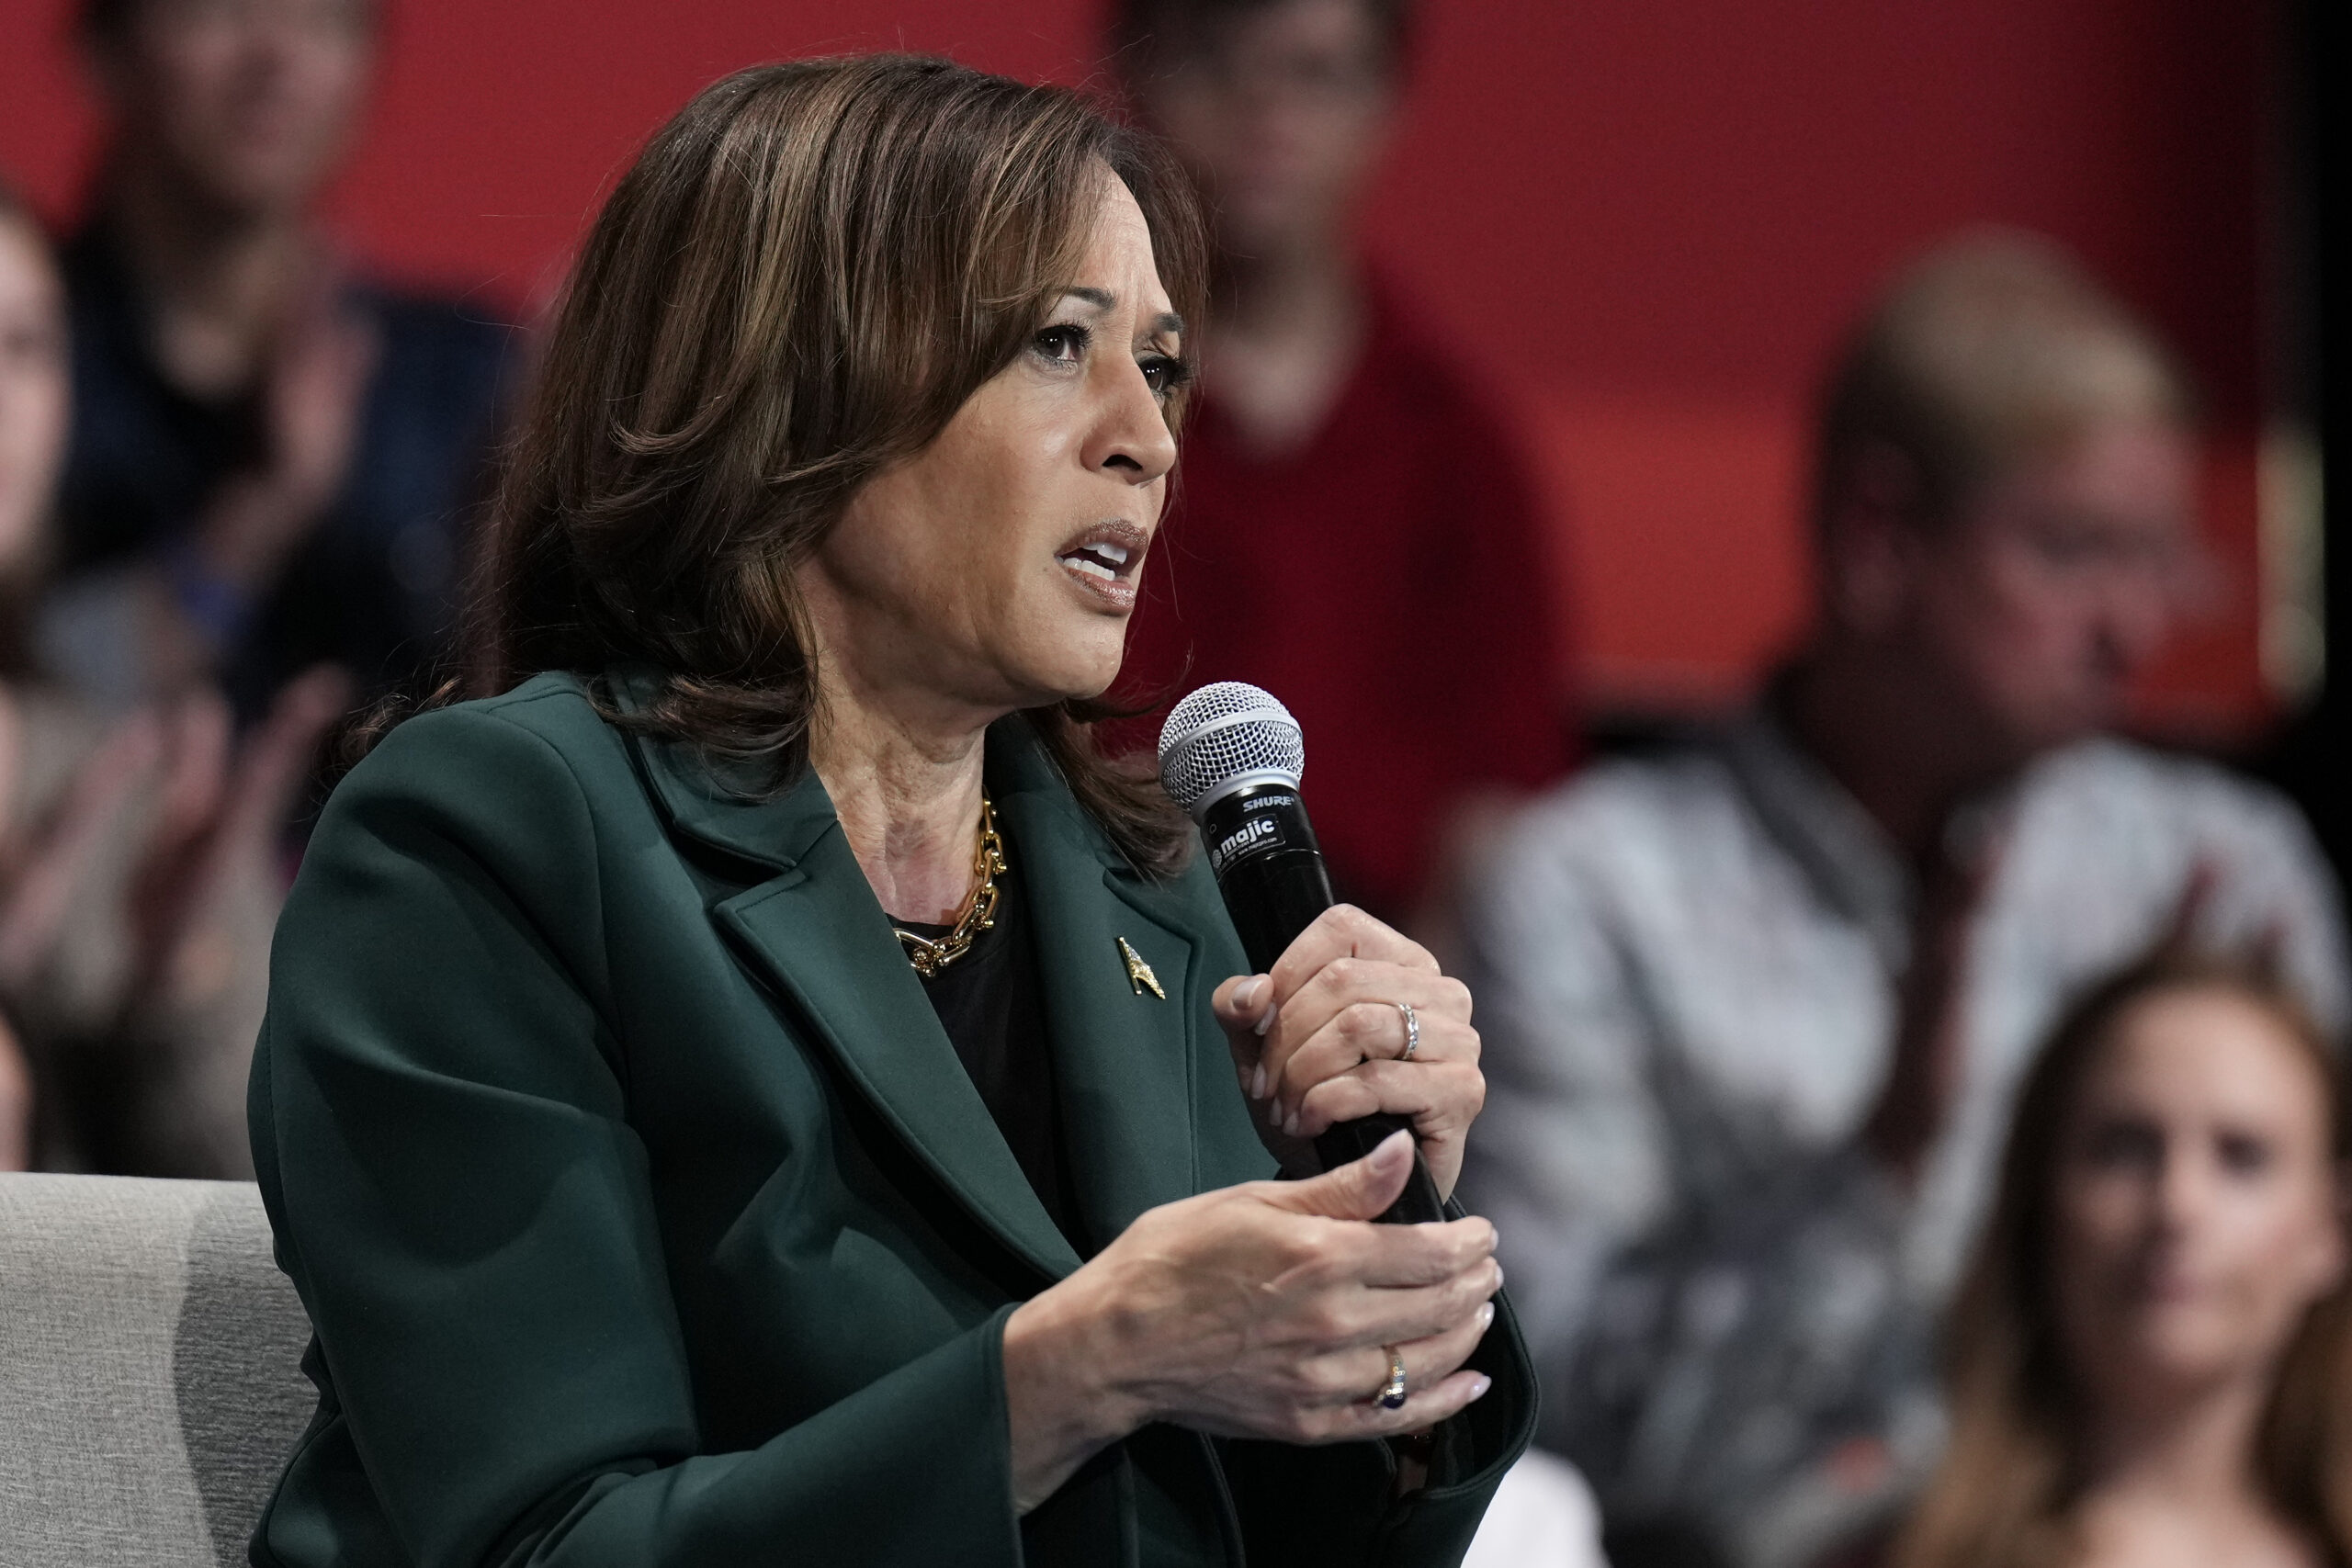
{"x":44,"y":861}
{"x":1261,"y":1311}
{"x":220,"y":814}
{"x":1322,"y":1039}
{"x":42,"y":865}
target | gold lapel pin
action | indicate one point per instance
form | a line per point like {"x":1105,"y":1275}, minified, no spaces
{"x":1139,"y":974}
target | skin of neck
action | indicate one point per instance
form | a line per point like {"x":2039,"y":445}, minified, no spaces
{"x":1906,"y":751}
{"x":902,"y":762}
{"x":1289,"y":324}
{"x":2174,"y":1448}
{"x":216,"y":276}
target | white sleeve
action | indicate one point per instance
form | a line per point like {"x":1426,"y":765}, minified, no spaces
{"x":2273,"y":886}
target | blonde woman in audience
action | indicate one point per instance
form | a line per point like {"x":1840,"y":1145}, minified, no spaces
{"x":138,"y":864}
{"x":2148,"y":1359}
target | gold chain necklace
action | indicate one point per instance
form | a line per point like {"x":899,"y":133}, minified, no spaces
{"x":930,"y":957}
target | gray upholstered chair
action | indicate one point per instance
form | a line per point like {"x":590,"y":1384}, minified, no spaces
{"x":150,"y":1378}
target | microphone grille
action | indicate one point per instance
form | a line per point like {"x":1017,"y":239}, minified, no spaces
{"x":1225,"y":733}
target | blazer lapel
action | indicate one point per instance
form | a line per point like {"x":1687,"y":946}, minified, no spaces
{"x":820,"y":937}
{"x":817,"y":935}
{"x":1123,"y":1058}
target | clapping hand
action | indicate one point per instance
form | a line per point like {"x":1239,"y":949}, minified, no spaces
{"x":217,"y":812}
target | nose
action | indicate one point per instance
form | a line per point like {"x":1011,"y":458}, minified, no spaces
{"x":1131,"y":439}
{"x":2184,"y":1188}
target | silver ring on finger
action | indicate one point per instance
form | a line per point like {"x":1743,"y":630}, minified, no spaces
{"x":1392,"y":1393}
{"x":1412,"y":1031}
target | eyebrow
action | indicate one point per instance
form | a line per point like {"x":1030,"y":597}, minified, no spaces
{"x":1103,"y":300}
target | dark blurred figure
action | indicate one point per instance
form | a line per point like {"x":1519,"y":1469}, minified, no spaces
{"x":2149,"y":1358}
{"x":1753,"y":1008}
{"x":1353,"y":529}
{"x":272,"y":458}
{"x":2313,"y":357}
{"x":139,"y":874}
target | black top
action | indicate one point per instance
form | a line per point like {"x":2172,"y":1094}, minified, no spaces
{"x":992,"y":1003}
{"x":373,"y":586}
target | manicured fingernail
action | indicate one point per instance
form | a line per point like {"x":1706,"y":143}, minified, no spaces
{"x":1290,"y":1124}
{"x":1274,"y":1114}
{"x":1478,"y":1390}
{"x":1486,"y":1316}
{"x":1498,"y":1275}
{"x":1257,"y":1084}
{"x":1265,"y":1019}
{"x":1246,"y":996}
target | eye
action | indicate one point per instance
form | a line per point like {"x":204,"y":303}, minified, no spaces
{"x":1164,"y":373}
{"x":1063,"y":343}
{"x":2242,"y":1154}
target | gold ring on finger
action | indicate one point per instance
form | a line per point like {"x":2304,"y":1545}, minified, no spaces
{"x":1412,"y":1031}
{"x":1392,"y":1393}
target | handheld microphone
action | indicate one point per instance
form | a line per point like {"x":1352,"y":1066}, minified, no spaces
{"x":1232,"y":756}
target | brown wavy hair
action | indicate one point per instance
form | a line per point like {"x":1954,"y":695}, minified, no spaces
{"x":2010,"y":1474}
{"x":803,"y":277}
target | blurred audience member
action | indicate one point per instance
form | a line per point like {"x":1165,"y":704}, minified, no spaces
{"x":1354,"y":528}
{"x":1754,"y":1008}
{"x":2149,"y":1355}
{"x":138,"y":863}
{"x":271,"y":456}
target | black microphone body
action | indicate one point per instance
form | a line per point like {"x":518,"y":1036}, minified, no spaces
{"x":1271,"y":872}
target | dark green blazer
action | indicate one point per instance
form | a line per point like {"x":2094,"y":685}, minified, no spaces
{"x":645,"y":1214}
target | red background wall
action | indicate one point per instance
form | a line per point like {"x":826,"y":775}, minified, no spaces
{"x":1648,"y":221}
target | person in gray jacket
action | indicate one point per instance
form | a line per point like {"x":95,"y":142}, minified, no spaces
{"x":1755,"y":1006}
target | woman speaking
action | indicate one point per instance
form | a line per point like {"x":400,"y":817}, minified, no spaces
{"x":754,"y":1086}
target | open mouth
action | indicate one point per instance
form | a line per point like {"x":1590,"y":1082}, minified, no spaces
{"x":1105,"y":557}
